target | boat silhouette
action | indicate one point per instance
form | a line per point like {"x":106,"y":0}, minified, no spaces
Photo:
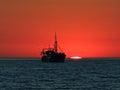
{"x":52,"y":54}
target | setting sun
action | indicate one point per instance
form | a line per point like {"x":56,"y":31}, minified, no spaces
{"x":75,"y":57}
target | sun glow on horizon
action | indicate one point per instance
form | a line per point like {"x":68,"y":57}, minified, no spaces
{"x":76,"y":57}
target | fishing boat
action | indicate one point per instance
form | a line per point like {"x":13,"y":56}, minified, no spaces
{"x":52,"y":54}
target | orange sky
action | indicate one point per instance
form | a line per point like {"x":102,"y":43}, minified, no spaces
{"x":86,"y":28}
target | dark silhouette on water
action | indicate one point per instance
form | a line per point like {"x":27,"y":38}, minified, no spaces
{"x":52,"y":54}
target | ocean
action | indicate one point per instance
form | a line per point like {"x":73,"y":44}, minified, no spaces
{"x":86,"y":74}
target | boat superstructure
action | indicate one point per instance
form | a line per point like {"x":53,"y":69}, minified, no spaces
{"x":52,"y":54}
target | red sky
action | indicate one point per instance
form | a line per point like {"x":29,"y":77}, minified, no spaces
{"x":86,"y":28}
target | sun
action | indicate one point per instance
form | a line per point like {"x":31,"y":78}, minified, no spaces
{"x":75,"y":57}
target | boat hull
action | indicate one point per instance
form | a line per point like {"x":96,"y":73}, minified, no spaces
{"x":54,"y":58}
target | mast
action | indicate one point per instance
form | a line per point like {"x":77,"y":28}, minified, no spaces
{"x":55,"y":43}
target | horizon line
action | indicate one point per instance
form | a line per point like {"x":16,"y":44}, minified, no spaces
{"x":40,"y":57}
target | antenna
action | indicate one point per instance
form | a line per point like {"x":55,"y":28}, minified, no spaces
{"x":55,"y":43}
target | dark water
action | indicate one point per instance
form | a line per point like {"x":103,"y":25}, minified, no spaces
{"x":96,"y":74}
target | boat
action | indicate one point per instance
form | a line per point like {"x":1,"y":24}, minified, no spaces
{"x":52,"y":54}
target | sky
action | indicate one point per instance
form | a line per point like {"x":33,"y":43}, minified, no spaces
{"x":86,"y":28}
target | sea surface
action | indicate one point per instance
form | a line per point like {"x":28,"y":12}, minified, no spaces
{"x":86,"y":74}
